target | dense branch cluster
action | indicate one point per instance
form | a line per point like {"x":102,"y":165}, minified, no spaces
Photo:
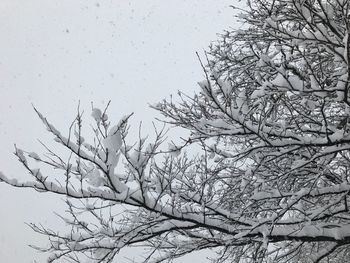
{"x":270,"y":179}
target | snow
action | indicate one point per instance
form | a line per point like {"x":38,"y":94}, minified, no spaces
{"x":113,"y":141}
{"x":174,"y":150}
{"x":96,"y":114}
{"x":260,"y":92}
{"x":310,"y":104}
{"x":204,"y":84}
{"x":345,"y":42}
{"x":95,"y":178}
{"x":279,"y":80}
{"x":20,"y":155}
{"x":34,"y":156}
{"x":257,"y":146}
{"x":225,"y":86}
{"x":296,"y":83}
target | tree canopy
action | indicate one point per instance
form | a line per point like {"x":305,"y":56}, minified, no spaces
{"x":269,"y":180}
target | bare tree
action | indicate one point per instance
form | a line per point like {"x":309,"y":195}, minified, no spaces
{"x":270,"y":178}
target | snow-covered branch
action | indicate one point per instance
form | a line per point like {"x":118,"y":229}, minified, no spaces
{"x":264,"y":175}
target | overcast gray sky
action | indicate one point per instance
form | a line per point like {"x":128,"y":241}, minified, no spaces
{"x":54,"y":53}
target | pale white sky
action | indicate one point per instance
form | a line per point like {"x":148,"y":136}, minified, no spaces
{"x":54,"y":53}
